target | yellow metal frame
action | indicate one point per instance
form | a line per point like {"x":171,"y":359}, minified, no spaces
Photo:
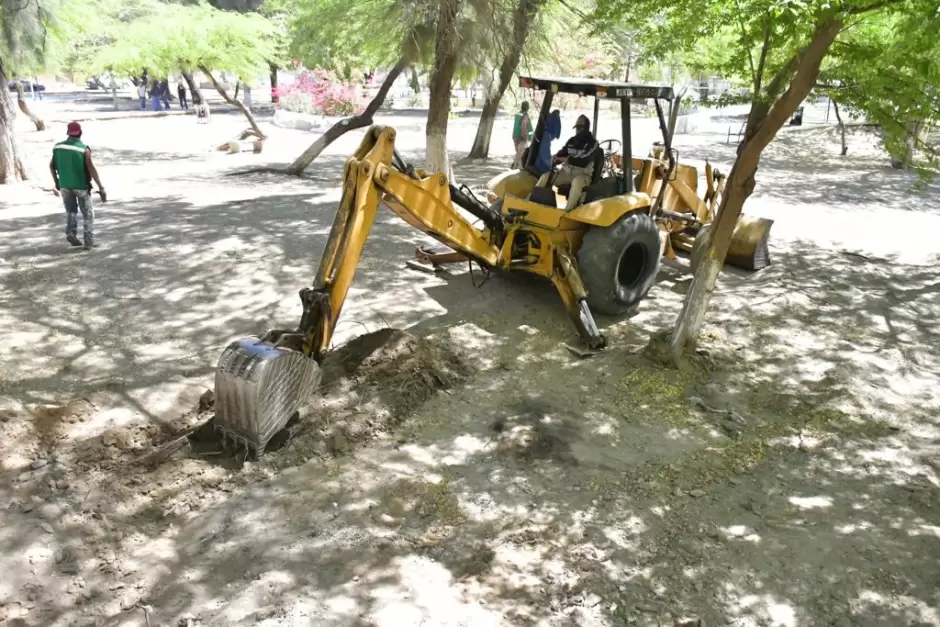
{"x":681,"y":197}
{"x":550,"y":237}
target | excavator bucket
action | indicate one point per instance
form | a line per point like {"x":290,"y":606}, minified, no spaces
{"x":259,"y":385}
{"x":748,"y":247}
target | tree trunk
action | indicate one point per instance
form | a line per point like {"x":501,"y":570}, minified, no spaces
{"x":445,"y":64}
{"x":912,"y":135}
{"x":11,"y":167}
{"x":763,"y":123}
{"x":361,"y":120}
{"x":237,"y":85}
{"x":674,"y":108}
{"x":481,"y":142}
{"x":194,"y":90}
{"x":273,"y":74}
{"x":235,"y":103}
{"x":21,"y":101}
{"x":835,"y":107}
{"x":522,"y":20}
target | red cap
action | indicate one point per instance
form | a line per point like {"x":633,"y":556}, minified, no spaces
{"x":74,"y":129}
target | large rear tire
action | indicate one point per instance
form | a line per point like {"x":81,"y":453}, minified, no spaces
{"x":619,"y":263}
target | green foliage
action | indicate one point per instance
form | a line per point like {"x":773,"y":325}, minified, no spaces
{"x":188,"y":37}
{"x":26,"y":29}
{"x":340,"y":35}
{"x":887,"y":69}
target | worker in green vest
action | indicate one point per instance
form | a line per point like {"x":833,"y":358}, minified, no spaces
{"x":521,"y":133}
{"x":73,"y":171}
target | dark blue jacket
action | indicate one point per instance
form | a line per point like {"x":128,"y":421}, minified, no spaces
{"x":552,"y":131}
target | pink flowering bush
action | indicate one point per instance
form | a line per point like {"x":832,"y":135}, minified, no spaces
{"x":321,"y":93}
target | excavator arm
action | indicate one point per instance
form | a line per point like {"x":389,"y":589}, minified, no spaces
{"x":261,"y":382}
{"x":374,"y":175}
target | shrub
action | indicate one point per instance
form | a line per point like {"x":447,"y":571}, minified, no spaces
{"x":321,"y":93}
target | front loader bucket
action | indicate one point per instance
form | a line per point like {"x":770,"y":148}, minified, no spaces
{"x":258,"y":387}
{"x":748,"y":247}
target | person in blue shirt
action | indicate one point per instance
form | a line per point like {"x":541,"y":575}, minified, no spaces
{"x":552,"y":131}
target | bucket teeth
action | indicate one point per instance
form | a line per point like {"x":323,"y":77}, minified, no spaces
{"x":258,"y":387}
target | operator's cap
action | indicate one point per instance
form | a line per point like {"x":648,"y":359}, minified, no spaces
{"x":74,"y":129}
{"x":583,"y":119}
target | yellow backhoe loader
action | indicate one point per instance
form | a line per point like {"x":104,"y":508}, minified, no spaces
{"x":680,"y":214}
{"x":601,"y":256}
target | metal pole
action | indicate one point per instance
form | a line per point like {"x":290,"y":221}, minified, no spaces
{"x":597,"y":108}
{"x":627,"y":144}
{"x":539,"y":130}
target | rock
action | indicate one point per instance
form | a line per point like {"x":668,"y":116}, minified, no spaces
{"x":109,"y":439}
{"x":88,"y":594}
{"x":689,"y":621}
{"x":734,"y":481}
{"x":206,"y":401}
{"x":39,"y":463}
{"x":62,"y":484}
{"x":842,"y":621}
{"x":337,"y":443}
{"x":27,"y":508}
{"x":388,"y":520}
{"x":46,"y":527}
{"x":730,"y":430}
{"x":678,"y":492}
{"x":648,"y":608}
{"x":697,"y":493}
{"x":356,"y":578}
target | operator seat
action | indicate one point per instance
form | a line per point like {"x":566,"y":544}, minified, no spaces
{"x":546,"y":195}
{"x":595,"y":174}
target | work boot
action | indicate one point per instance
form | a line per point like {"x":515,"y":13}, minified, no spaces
{"x":73,"y":240}
{"x":90,"y":245}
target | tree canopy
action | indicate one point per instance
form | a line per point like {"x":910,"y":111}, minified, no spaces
{"x":188,"y":37}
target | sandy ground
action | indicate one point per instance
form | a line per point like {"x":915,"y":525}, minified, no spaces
{"x":792,"y":479}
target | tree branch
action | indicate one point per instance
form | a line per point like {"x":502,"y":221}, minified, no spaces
{"x":744,"y":40}
{"x":874,"y":6}
{"x":806,"y":64}
{"x":765,"y":48}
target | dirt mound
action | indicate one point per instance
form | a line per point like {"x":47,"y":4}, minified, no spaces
{"x":370,"y":386}
{"x":396,"y":371}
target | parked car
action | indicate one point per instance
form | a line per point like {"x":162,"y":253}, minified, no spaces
{"x":26,"y":87}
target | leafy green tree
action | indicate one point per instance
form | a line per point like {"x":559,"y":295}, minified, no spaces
{"x":780,"y":46}
{"x":887,"y":69}
{"x":442,"y":36}
{"x":522,"y":20}
{"x":187,"y":38}
{"x":23,"y":33}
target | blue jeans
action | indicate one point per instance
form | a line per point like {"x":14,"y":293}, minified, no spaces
{"x":143,"y":103}
{"x":75,"y":200}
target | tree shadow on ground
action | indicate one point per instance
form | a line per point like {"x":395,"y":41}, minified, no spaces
{"x":786,"y":482}
{"x":861,"y":182}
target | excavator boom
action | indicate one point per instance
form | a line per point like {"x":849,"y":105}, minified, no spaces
{"x":261,"y":382}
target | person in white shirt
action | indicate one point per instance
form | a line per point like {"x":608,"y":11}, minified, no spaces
{"x":142,"y":94}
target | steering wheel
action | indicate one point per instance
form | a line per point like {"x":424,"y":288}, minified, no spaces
{"x":609,"y":152}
